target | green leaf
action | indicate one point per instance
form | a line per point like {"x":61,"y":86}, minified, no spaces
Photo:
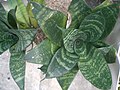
{"x":102,"y":5}
{"x":22,"y":15}
{"x":61,"y":63}
{"x":41,"y":54}
{"x":17,"y":68}
{"x":66,"y":80}
{"x":12,"y":3}
{"x":39,"y":1}
{"x":50,"y":22}
{"x":25,"y":38}
{"x":93,"y":26}
{"x":7,"y":39}
{"x":44,"y":68}
{"x":90,"y":30}
{"x":108,"y":51}
{"x":94,"y":68}
{"x":3,"y":13}
{"x":110,"y":13}
{"x":12,"y":18}
{"x":109,"y":54}
{"x":33,"y":21}
{"x":78,"y":10}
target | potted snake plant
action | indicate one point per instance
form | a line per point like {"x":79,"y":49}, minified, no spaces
{"x":63,"y":51}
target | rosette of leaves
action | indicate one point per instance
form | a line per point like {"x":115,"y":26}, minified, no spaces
{"x":65,"y":51}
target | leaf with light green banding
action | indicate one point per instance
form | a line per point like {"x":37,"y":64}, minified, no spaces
{"x":94,"y":67}
{"x":25,"y":38}
{"x":12,"y":18}
{"x":17,"y":68}
{"x":61,"y":63}
{"x":66,"y":80}
{"x":93,"y":26}
{"x":78,"y":10}
{"x":50,"y":21}
{"x":41,"y":54}
{"x":90,"y":30}
{"x":110,"y":13}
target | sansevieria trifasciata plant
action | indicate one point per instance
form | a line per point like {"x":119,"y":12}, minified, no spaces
{"x":62,"y":51}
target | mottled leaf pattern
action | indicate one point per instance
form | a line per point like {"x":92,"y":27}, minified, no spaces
{"x":110,"y":13}
{"x":25,"y":38}
{"x":90,"y":30}
{"x":94,"y":67}
{"x":78,"y":10}
{"x":61,"y":63}
{"x":93,"y":26}
{"x":41,"y":54}
{"x":66,"y":80}
{"x":17,"y":68}
{"x":7,"y":39}
{"x":50,"y":21}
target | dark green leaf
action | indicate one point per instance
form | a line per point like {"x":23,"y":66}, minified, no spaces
{"x":12,"y":18}
{"x":17,"y":68}
{"x":78,"y":10}
{"x":7,"y":39}
{"x":93,"y":26}
{"x":41,"y":54}
{"x":25,"y":38}
{"x":66,"y":80}
{"x":50,"y":21}
{"x":44,"y":68}
{"x":3,"y":13}
{"x":93,"y":66}
{"x":109,"y":54}
{"x":61,"y":63}
{"x":110,"y":13}
{"x":90,"y":30}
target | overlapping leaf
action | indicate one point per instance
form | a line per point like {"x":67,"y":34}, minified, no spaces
{"x":66,"y":80}
{"x":61,"y":63}
{"x":25,"y":38}
{"x":110,"y":13}
{"x":90,"y":30}
{"x":41,"y":54}
{"x":93,"y":66}
{"x":17,"y":68}
{"x":78,"y":10}
{"x":50,"y":21}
